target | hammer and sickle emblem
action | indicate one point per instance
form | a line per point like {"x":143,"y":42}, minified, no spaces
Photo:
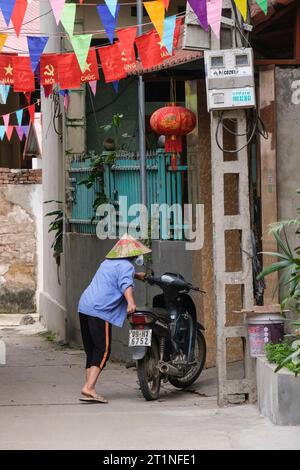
{"x":49,"y":70}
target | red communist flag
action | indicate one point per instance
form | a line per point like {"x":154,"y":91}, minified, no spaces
{"x":126,"y":45}
{"x":151,"y":49}
{"x":68,"y":71}
{"x":111,"y":61}
{"x":23,"y":75}
{"x":70,"y":74}
{"x":49,"y":69}
{"x":6,"y":69}
{"x":91,"y":71}
{"x":149,"y":46}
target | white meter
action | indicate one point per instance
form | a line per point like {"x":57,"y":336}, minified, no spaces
{"x":229,"y":79}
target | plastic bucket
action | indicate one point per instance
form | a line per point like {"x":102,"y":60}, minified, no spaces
{"x":264,"y":329}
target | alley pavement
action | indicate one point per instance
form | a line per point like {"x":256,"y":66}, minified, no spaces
{"x":39,"y":407}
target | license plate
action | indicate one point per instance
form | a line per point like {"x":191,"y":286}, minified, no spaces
{"x":140,"y":337}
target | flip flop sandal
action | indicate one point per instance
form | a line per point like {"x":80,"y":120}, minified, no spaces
{"x":95,"y":399}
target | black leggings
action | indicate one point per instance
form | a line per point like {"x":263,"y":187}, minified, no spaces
{"x":96,"y":338}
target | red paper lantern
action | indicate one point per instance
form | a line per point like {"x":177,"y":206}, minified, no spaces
{"x":173,"y":122}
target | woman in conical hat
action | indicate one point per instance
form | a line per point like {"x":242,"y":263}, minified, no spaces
{"x":127,"y":247}
{"x":105,"y":302}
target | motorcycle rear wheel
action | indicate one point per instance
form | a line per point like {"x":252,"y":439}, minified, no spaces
{"x":148,"y":373}
{"x":193,"y":373}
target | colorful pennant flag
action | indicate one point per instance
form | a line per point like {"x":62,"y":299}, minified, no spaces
{"x":112,"y":6}
{"x":2,"y":132}
{"x":67,"y":18}
{"x":166,"y":3}
{"x":31,"y":110}
{"x":108,"y":20}
{"x":263,"y":4}
{"x":26,"y":130}
{"x":67,"y":80}
{"x":156,"y":12}
{"x":23,"y":75}
{"x":200,"y":10}
{"x":93,"y":86}
{"x":214,"y":13}
{"x":149,"y":47}
{"x":111,"y":61}
{"x":6,"y":119}
{"x":242,"y":5}
{"x":126,"y":38}
{"x":36,"y":46}
{"x":48,"y":89}
{"x":49,"y":69}
{"x":18,"y":14}
{"x":81,"y":45}
{"x":91,"y":72}
{"x":4,"y":92}
{"x":9,"y":131}
{"x":19,"y":115}
{"x":3,"y":38}
{"x":57,"y":8}
{"x":115,"y":84}
{"x":169,"y":29}
{"x":7,"y":9}
{"x":20,"y":132}
{"x":6,"y":69}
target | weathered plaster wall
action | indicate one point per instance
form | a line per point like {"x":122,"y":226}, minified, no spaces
{"x":20,"y":252}
{"x":288,"y":156}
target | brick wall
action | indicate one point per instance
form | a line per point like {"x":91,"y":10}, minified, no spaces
{"x":9,"y":176}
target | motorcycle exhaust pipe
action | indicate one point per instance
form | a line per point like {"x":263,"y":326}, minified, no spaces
{"x":168,"y":369}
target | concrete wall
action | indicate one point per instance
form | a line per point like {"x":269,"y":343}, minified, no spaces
{"x":52,"y":298}
{"x":278,"y":394}
{"x":288,"y":159}
{"x":84,"y":253}
{"x":20,"y":240}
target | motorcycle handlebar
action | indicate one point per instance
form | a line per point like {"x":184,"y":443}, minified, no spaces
{"x":157,"y":280}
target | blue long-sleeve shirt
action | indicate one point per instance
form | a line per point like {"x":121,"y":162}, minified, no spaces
{"x":104,"y":297}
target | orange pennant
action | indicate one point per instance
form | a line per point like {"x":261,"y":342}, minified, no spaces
{"x":156,"y":12}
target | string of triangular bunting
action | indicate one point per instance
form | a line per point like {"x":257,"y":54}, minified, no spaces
{"x":117,"y":60}
{"x":7,"y":129}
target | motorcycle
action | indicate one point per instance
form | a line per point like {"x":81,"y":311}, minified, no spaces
{"x":166,"y":340}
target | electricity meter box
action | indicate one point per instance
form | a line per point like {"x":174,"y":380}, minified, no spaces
{"x":229,"y":79}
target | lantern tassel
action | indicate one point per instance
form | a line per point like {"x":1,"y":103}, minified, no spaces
{"x":173,"y":143}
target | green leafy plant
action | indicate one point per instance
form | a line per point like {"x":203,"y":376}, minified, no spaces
{"x":284,"y":354}
{"x":56,"y":226}
{"x":288,"y":266}
{"x":107,"y":157}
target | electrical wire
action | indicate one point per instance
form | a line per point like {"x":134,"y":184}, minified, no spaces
{"x":257,"y":128}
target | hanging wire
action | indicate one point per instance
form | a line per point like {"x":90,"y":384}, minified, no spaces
{"x":257,"y":127}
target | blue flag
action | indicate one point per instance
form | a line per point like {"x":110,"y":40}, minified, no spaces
{"x":112,"y":6}
{"x":108,"y":20}
{"x":25,"y":129}
{"x":19,"y":115}
{"x":36,"y":45}
{"x":4,"y":92}
{"x":116,"y":85}
{"x":168,"y":36}
{"x":7,"y":9}
{"x":2,"y":132}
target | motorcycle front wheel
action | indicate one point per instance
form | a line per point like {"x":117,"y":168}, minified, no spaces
{"x":148,"y":373}
{"x":193,"y":373}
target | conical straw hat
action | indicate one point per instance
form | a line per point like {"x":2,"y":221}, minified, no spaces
{"x":127,"y":247}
